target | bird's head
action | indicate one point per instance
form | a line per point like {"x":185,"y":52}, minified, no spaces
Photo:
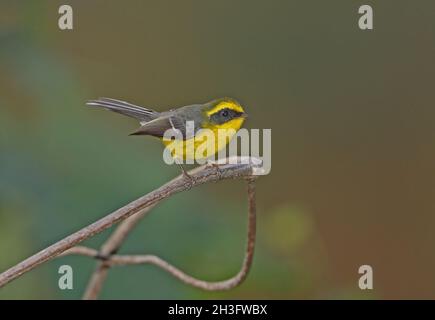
{"x":225,"y":113}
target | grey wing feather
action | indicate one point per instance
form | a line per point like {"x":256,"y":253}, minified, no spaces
{"x":159,"y":126}
{"x":140,"y":113}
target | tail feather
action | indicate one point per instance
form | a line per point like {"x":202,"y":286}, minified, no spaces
{"x":125,"y":108}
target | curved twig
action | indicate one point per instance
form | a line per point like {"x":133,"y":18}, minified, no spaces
{"x":200,"y":175}
{"x":115,"y":260}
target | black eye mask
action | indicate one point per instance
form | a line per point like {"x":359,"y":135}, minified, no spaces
{"x":224,"y":115}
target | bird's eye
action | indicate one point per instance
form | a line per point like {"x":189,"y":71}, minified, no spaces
{"x":225,"y":113}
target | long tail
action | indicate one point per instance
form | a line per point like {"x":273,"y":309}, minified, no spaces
{"x":125,"y":108}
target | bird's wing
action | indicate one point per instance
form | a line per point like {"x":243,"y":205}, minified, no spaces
{"x":125,"y":108}
{"x":158,"y":127}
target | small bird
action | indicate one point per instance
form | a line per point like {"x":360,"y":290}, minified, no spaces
{"x":219,"y":114}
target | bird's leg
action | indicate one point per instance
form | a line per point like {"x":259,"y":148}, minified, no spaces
{"x":179,"y":161}
{"x":184,"y":172}
{"x":186,"y":175}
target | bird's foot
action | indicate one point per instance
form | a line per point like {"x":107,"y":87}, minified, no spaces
{"x":215,"y":166}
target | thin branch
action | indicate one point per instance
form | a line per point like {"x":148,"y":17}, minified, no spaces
{"x":81,"y":251}
{"x":112,"y":245}
{"x":116,"y":260}
{"x":200,"y":175}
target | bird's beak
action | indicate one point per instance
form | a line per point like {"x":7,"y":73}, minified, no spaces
{"x":244,"y":115}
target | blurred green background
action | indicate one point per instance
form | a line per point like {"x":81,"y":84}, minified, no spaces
{"x":352,"y":118}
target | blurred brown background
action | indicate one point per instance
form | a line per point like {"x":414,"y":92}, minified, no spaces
{"x":351,"y":113}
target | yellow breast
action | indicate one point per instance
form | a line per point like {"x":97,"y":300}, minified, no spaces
{"x":206,"y":142}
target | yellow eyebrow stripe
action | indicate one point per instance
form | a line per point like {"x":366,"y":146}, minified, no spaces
{"x":224,"y":105}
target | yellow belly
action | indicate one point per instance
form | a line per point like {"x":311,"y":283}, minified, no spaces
{"x":206,"y":143}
